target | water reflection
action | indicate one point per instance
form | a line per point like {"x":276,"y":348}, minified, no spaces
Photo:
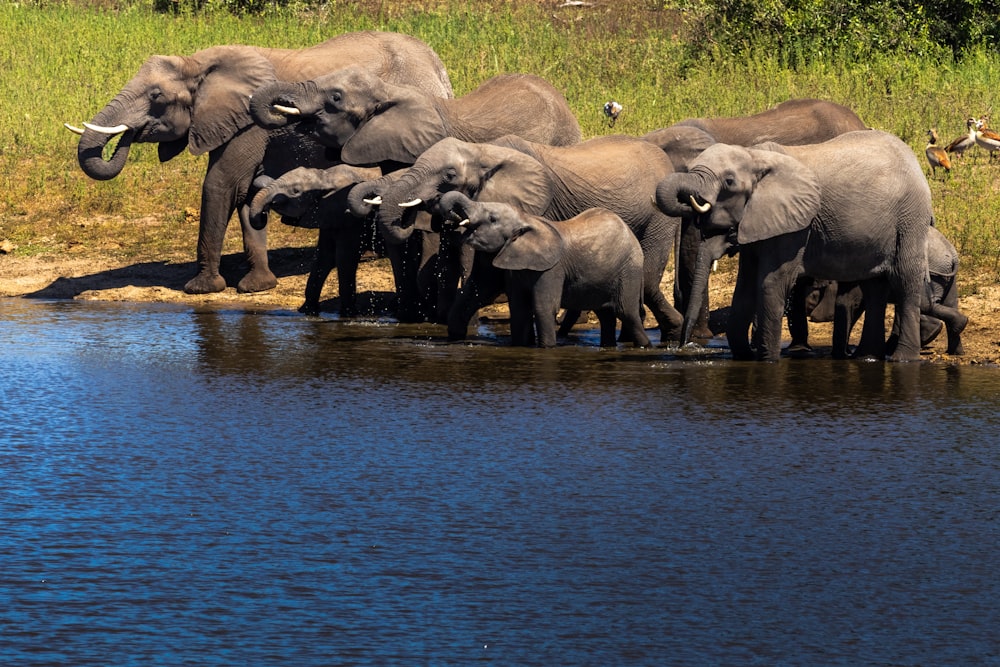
{"x":219,"y":486}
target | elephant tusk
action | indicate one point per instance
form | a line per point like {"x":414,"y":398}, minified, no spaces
{"x":701,"y":208}
{"x":288,"y":111}
{"x":464,"y":223}
{"x":117,"y":129}
{"x":74,"y":129}
{"x":413,"y":202}
{"x":374,"y":201}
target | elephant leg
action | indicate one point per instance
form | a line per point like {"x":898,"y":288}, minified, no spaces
{"x":954,"y":323}
{"x":348,"y":256}
{"x":484,"y":285}
{"x":798,"y":316}
{"x":323,"y":264}
{"x":569,"y":320}
{"x":669,"y":320}
{"x":228,"y":178}
{"x":632,"y":327}
{"x":848,"y":305}
{"x":260,"y":278}
{"x":429,"y":276}
{"x":875,"y":294}
{"x":687,"y":261}
{"x":454,"y":268}
{"x":775,"y":286}
{"x":522,"y":316}
{"x":744,"y":305}
{"x":405,"y":259}
{"x":609,"y":324}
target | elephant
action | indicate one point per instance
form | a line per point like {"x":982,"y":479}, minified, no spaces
{"x":616,"y":172}
{"x":202,"y":102}
{"x":843,"y":304}
{"x":317,"y":199}
{"x":792,"y":123}
{"x":591,"y":261}
{"x":374,"y":122}
{"x":855,"y":208}
{"x":367,"y":121}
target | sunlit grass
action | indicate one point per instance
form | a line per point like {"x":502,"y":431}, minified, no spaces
{"x":63,"y":63}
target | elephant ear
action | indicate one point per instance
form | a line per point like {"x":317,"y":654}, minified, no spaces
{"x":513,"y":177}
{"x":535,"y":246}
{"x":404,"y":124}
{"x":228,"y":77}
{"x":785,"y":199}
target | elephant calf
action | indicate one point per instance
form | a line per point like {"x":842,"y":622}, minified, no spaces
{"x":592,"y":261}
{"x":316,"y":198}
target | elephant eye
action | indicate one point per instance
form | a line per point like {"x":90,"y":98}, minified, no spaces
{"x":156,"y":95}
{"x":450,"y":175}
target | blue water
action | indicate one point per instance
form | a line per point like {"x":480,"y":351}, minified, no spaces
{"x":226,"y":487}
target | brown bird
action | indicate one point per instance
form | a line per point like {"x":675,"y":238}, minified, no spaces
{"x":987,"y":138}
{"x":936,"y":156}
{"x":964,"y":143}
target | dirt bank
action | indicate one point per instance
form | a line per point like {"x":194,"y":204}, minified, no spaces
{"x":92,"y":276}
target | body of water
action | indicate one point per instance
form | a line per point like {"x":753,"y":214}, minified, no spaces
{"x":222,"y":487}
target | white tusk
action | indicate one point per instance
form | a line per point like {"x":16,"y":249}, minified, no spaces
{"x":288,"y":111}
{"x":375,"y":201}
{"x":74,"y":129}
{"x":715,"y":265}
{"x":410,"y":204}
{"x":117,"y":129}
{"x":464,"y":223}
{"x":701,"y":208}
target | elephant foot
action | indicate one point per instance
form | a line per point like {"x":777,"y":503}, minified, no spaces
{"x":205,"y":283}
{"x":309,"y":308}
{"x":797,"y":350}
{"x":258,"y":280}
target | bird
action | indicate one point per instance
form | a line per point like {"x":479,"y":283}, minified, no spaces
{"x":936,"y":156}
{"x":987,"y":138}
{"x":965,"y":142}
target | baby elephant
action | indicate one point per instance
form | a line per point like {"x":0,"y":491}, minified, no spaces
{"x":590,"y":262}
{"x":316,"y":198}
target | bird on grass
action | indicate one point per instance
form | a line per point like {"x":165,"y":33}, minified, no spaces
{"x":965,"y":142}
{"x":987,"y":138}
{"x":936,"y":156}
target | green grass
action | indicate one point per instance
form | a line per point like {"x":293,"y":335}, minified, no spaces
{"x":62,"y":63}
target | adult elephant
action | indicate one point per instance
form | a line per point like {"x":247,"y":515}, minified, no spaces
{"x":792,"y":123}
{"x":618,"y":173}
{"x":201,"y":102}
{"x":368,"y":121}
{"x":855,"y":208}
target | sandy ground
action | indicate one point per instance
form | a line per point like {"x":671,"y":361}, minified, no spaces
{"x":100,"y":278}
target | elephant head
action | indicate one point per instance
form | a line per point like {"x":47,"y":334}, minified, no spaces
{"x":298,"y":194}
{"x":738,"y":196}
{"x":369,"y":120}
{"x":520,"y":241}
{"x":486,"y":172}
{"x":199,"y":102}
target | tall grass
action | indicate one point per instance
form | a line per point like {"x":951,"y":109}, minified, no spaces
{"x":63,"y":63}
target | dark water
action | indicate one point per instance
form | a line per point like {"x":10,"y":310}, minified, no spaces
{"x":185,"y":487}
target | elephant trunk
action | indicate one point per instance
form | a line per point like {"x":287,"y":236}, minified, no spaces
{"x":379,"y":197}
{"x":709,"y":250}
{"x":683,"y":194}
{"x":98,"y":133}
{"x":261,"y":204}
{"x":277,"y":104}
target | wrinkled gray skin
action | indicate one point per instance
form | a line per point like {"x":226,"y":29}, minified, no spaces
{"x":201,"y":102}
{"x":618,"y":173}
{"x":590,"y":262}
{"x":373,"y":122}
{"x":854,"y":209}
{"x":791,"y":123}
{"x":843,"y":304}
{"x":317,"y":199}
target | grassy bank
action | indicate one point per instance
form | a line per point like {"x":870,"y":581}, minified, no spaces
{"x":62,"y":64}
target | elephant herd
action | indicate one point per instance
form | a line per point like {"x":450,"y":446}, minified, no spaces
{"x":496,"y":192}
